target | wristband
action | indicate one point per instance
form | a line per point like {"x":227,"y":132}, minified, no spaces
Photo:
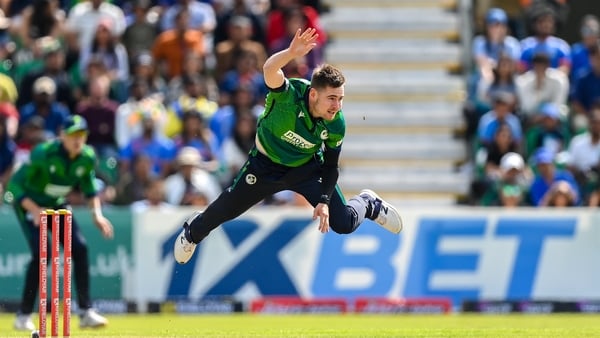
{"x":324,"y":199}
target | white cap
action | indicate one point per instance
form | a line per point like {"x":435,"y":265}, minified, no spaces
{"x":512,"y":161}
{"x":189,"y":156}
{"x":44,"y":85}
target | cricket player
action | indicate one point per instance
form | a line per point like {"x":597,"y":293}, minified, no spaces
{"x":298,"y":143}
{"x":55,"y":167}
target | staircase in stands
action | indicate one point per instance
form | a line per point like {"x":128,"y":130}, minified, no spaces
{"x":402,"y":98}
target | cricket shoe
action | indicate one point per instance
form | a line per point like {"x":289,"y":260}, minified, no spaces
{"x":382,"y":212}
{"x":24,"y":323}
{"x":92,"y":319}
{"x":184,"y":248}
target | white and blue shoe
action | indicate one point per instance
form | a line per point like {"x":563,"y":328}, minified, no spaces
{"x":184,"y":248}
{"x":382,"y":212}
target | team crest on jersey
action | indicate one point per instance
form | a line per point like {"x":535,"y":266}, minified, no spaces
{"x":251,"y":179}
{"x":324,"y":135}
{"x":79,"y":171}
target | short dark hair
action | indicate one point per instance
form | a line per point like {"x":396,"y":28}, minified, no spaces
{"x":327,"y":76}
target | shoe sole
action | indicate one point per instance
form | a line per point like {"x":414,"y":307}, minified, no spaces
{"x":390,"y":207}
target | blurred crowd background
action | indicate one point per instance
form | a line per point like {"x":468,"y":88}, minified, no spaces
{"x":171,"y":89}
{"x":532,"y":112}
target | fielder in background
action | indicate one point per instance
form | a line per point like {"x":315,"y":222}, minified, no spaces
{"x":55,"y":167}
{"x":297,"y":147}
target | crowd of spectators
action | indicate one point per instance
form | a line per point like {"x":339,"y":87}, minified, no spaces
{"x":171,"y":89}
{"x":533,"y":109}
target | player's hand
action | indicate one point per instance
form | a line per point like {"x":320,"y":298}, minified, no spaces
{"x":322,"y":212}
{"x":105,"y":226}
{"x":303,"y":42}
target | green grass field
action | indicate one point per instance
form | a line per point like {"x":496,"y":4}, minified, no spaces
{"x":245,"y":325}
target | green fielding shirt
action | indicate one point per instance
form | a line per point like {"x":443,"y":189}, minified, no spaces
{"x":50,"y":175}
{"x":286,"y":130}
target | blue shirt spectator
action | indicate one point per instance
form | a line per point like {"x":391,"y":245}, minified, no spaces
{"x":547,"y":178}
{"x":543,"y":40}
{"x":590,"y":32}
{"x":161,"y":150}
{"x":202,"y":15}
{"x":44,"y":104}
{"x":587,"y":87}
{"x":7,"y":153}
{"x":501,"y":113}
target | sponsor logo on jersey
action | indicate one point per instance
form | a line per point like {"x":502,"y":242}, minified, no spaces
{"x":296,"y":140}
{"x":79,"y":171}
{"x":250,"y":179}
{"x":57,"y":190}
{"x":339,"y":143}
{"x":300,"y":114}
{"x":324,"y":134}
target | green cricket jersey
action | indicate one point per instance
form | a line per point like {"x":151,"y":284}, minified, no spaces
{"x":286,"y":130}
{"x":50,"y":175}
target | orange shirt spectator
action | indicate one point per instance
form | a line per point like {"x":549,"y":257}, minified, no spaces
{"x":171,"y":47}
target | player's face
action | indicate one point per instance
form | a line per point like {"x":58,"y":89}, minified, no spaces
{"x":74,"y":142}
{"x":327,"y":102}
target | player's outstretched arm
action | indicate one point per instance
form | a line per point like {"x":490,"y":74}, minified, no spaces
{"x":102,"y":222}
{"x":302,"y":44}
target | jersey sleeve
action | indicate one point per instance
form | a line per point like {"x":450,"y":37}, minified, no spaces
{"x":17,"y":186}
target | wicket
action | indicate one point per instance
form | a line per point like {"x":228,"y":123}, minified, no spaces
{"x":59,"y":219}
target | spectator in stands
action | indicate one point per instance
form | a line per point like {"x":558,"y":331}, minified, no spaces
{"x":129,"y":115}
{"x":191,"y":184}
{"x":488,"y":48}
{"x":587,"y":88}
{"x":584,"y":154}
{"x":143,"y":68}
{"x":245,"y":73}
{"x":295,"y":19}
{"x":44,"y":104}
{"x":236,"y":147}
{"x":100,"y":112}
{"x":502,"y":144}
{"x":201,"y":16}
{"x":558,"y":50}
{"x":159,"y":149}
{"x":133,"y":183}
{"x":84,"y":17}
{"x":8,"y":150}
{"x":194,"y":66}
{"x":560,"y":194}
{"x":154,"y":198}
{"x":502,"y":79}
{"x":548,"y":131}
{"x":54,"y":68}
{"x":196,"y":134}
{"x":547,"y":182}
{"x":276,"y":25}
{"x":239,"y":8}
{"x":223,"y":121}
{"x":540,"y":85}
{"x":590,"y":32}
{"x":31,"y":133}
{"x":503,"y":105}
{"x":10,"y":114}
{"x":140,"y":34}
{"x":106,"y":47}
{"x":238,"y":41}
{"x":193,"y":99}
{"x":171,"y":47}
{"x":510,"y":190}
{"x":42,"y":18}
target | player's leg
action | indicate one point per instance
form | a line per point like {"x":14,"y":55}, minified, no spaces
{"x":258,"y":179}
{"x":31,"y":283}
{"x":346,"y":216}
{"x":81,"y":270}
